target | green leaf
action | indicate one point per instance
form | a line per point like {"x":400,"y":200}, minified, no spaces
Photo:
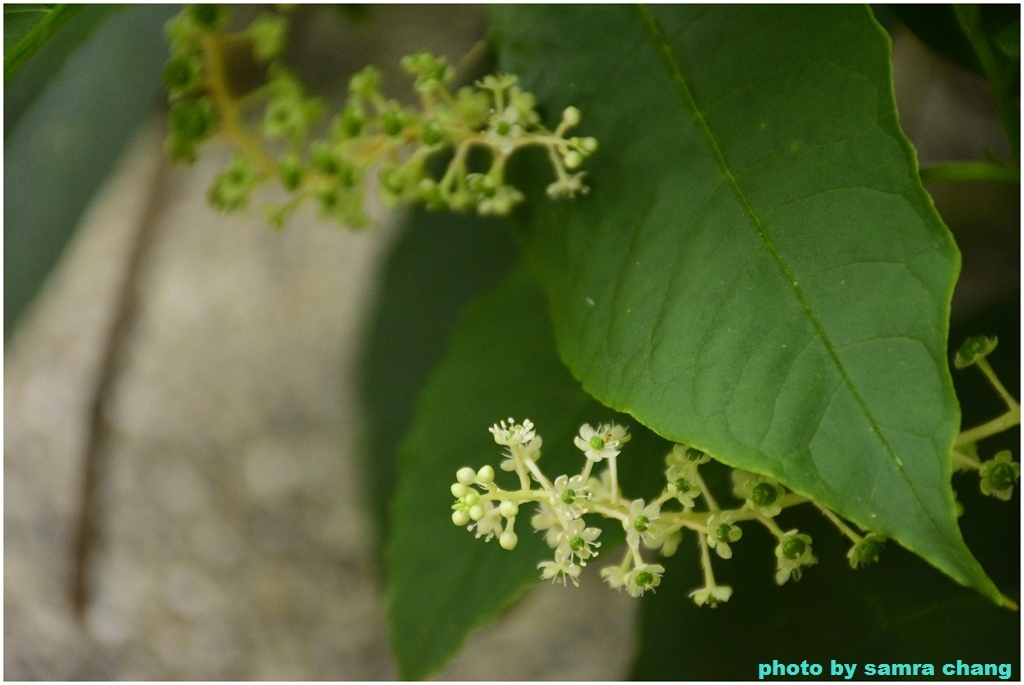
{"x":757,"y":270}
{"x":501,"y":362}
{"x":27,"y":27}
{"x":72,"y":131}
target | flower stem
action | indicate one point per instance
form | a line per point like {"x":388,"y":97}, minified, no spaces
{"x":230,"y":118}
{"x":840,"y":524}
{"x":970,"y":171}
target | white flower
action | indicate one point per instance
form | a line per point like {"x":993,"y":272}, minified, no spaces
{"x":513,"y":433}
{"x":793,"y":553}
{"x":560,"y":569}
{"x":763,"y":495}
{"x":579,"y":541}
{"x":602,"y":442}
{"x":568,"y":186}
{"x":683,"y":483}
{"x":488,"y":525}
{"x":568,"y":492}
{"x":721,"y":532}
{"x":615,"y":576}
{"x":546,"y":519}
{"x":643,"y":578}
{"x":667,"y":542}
{"x":504,"y":130}
{"x":711,"y":595}
{"x":640,"y":522}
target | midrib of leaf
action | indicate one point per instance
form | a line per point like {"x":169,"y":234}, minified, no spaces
{"x":665,"y":51}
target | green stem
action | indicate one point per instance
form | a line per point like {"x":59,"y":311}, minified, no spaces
{"x":970,"y":171}
{"x":983,"y":365}
{"x":993,"y":427}
{"x":840,"y":524}
{"x":966,"y":459}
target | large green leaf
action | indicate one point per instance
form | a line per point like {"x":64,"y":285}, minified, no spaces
{"x":757,"y":270}
{"x":501,"y":362}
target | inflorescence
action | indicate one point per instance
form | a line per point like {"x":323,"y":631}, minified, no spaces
{"x":562,"y":503}
{"x":370,"y":136}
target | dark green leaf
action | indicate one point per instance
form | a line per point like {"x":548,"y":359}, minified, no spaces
{"x":757,"y":270}
{"x":995,"y":34}
{"x":939,"y":29}
{"x":501,"y":362}
{"x":61,"y":148}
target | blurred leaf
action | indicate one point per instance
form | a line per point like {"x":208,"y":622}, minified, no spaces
{"x":27,"y":28}
{"x":22,"y":88}
{"x":994,"y":31}
{"x":501,"y":362}
{"x":896,"y":611}
{"x":62,"y":147}
{"x":938,"y":27}
{"x":441,"y":262}
{"x":757,"y":270}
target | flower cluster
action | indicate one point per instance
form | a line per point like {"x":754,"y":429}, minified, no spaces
{"x":562,"y":503}
{"x":1000,"y":474}
{"x":371,"y":137}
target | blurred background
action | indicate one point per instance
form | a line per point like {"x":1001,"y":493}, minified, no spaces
{"x":198,"y":430}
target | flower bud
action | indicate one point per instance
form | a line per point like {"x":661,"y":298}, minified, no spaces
{"x":460,"y":517}
{"x":508,"y":509}
{"x":466,"y":475}
{"x":485,"y":475}
{"x":508,"y":540}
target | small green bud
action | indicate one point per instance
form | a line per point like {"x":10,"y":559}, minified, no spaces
{"x":764,"y":494}
{"x":866,"y":551}
{"x":508,"y":509}
{"x":723,"y":532}
{"x":1001,"y":476}
{"x":459,"y":490}
{"x":208,"y":17}
{"x":192,"y":119}
{"x":793,"y":547}
{"x":231,"y":189}
{"x":391,"y":121}
{"x":183,"y":73}
{"x":476,"y":512}
{"x":460,"y":517}
{"x":431,"y":134}
{"x":349,"y":123}
{"x":572,"y":159}
{"x":365,"y":83}
{"x":973,"y":349}
{"x":291,"y":171}
{"x":267,"y":33}
{"x":695,"y":455}
{"x":471,"y":498}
